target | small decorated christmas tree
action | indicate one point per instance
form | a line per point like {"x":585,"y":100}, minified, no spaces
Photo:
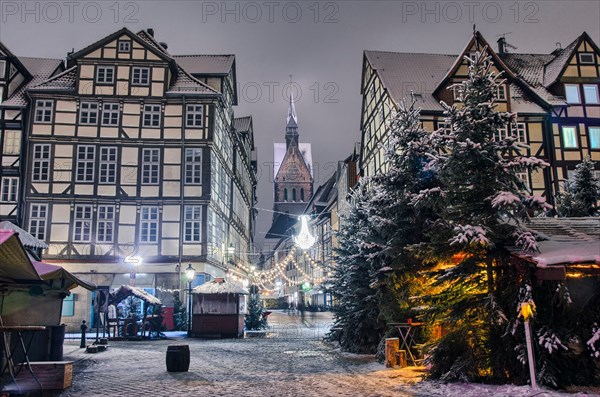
{"x":254,"y":317}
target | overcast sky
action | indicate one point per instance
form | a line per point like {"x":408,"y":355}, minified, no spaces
{"x":319,"y":43}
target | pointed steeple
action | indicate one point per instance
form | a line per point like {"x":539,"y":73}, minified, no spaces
{"x":291,"y":129}
{"x":292,"y":111}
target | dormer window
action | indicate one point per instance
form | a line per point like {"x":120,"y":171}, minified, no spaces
{"x":586,"y":58}
{"x":124,"y":46}
{"x":105,"y":75}
{"x":140,"y":76}
{"x":572,"y":93}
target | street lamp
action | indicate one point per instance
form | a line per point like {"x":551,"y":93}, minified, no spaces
{"x":190,"y":273}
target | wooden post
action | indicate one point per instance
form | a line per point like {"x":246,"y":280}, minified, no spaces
{"x":402,"y":359}
{"x":392,"y":345}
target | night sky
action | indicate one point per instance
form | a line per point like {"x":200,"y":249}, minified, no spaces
{"x":319,"y":43}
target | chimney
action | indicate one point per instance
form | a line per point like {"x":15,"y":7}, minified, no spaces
{"x":502,"y":45}
{"x":164,"y":45}
{"x":150,"y":32}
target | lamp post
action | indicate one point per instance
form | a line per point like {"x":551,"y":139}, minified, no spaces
{"x":190,"y":273}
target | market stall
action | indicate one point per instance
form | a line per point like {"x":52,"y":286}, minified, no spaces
{"x":218,"y":309}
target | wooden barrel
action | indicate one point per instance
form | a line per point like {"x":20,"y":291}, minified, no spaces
{"x":178,"y":358}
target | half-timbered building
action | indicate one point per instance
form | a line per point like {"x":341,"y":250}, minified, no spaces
{"x":554,"y":96}
{"x":136,"y":168}
{"x":16,"y":75}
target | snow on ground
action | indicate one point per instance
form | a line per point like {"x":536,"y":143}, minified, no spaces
{"x":290,"y":360}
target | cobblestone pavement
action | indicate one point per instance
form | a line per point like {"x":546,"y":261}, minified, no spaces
{"x":292,"y":363}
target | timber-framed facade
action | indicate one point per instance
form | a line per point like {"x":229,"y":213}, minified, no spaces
{"x":554,"y":96}
{"x":135,"y":168}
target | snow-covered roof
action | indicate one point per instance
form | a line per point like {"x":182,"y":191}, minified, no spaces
{"x":220,"y":286}
{"x":565,"y":241}
{"x":279,"y":150}
{"x":26,"y":239}
{"x":127,"y":290}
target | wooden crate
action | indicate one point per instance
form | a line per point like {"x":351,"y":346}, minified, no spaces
{"x":52,"y":375}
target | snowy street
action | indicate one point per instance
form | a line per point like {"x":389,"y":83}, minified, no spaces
{"x":294,"y":362}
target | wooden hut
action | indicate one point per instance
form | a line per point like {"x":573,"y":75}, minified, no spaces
{"x":218,"y":309}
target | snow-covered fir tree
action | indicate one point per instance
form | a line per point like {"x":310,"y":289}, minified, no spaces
{"x":580,"y":195}
{"x":357,"y":314}
{"x":482,"y":206}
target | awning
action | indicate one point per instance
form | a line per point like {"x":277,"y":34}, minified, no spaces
{"x":15,"y":266}
{"x":59,"y":277}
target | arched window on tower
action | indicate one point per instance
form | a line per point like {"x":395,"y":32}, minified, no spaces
{"x":294,"y":194}
{"x":301,"y":194}
{"x":285,"y":196}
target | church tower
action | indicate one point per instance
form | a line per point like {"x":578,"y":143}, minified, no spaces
{"x":293,"y":177}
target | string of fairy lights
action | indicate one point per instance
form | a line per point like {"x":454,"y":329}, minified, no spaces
{"x":270,"y":279}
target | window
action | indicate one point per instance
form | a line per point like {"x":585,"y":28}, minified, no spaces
{"x":10,"y":185}
{"x":124,"y":46}
{"x":105,"y":75}
{"x":193,"y":166}
{"x":150,"y":166}
{"x":501,"y":92}
{"x":521,"y":132}
{"x":293,"y":194}
{"x":37,"y":221}
{"x":2,"y":68}
{"x":83,"y":224}
{"x":285,"y":194}
{"x":12,"y":142}
{"x":110,"y":114}
{"x":140,"y":76}
{"x":501,"y":134}
{"x":594,"y":137}
{"x":43,"y":111}
{"x":572,"y":93}
{"x":88,"y":113}
{"x":106,"y":223}
{"x":301,"y":194}
{"x":68,"y":306}
{"x":151,"y":116}
{"x":569,"y":138}
{"x":193,"y":115}
{"x":586,"y":58}
{"x":524,"y":177}
{"x":1,"y":93}
{"x":41,"y":163}
{"x":457,"y":93}
{"x":108,"y":165}
{"x":85,"y":163}
{"x":149,"y":225}
{"x":192,"y":223}
{"x":590,"y":93}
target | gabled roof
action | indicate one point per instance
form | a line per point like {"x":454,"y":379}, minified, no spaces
{"x":185,"y":84}
{"x":15,"y":266}
{"x":14,"y":59}
{"x":143,"y":38}
{"x":40,"y":69}
{"x":281,"y":226}
{"x":554,"y":68}
{"x":206,"y":64}
{"x":65,"y":81}
{"x":481,"y":43}
{"x":325,"y":195}
{"x":280,"y":150}
{"x":402,"y":72}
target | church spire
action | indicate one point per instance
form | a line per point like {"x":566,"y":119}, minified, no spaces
{"x":291,"y":129}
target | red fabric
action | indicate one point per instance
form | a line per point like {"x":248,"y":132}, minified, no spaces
{"x":5,"y":235}
{"x":167,"y":313}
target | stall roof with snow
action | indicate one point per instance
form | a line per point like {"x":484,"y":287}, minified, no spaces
{"x":566,"y":242}
{"x":220,"y":286}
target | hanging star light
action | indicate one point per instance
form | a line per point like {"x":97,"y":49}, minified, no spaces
{"x":304,"y":240}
